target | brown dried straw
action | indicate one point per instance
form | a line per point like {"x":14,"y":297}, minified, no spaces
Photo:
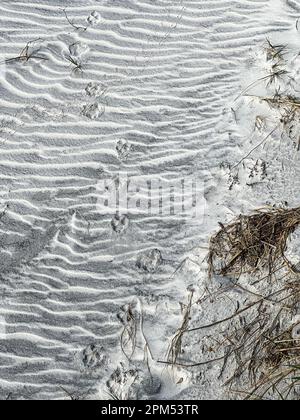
{"x":253,"y":243}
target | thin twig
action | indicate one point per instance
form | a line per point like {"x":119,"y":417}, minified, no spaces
{"x":83,"y":28}
{"x":256,"y":147}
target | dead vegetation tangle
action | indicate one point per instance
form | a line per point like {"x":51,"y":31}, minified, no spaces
{"x":265,"y":352}
{"x":253,"y":243}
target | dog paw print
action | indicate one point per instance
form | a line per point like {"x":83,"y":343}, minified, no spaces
{"x":78,"y":49}
{"x":93,"y":111}
{"x":150,"y":261}
{"x":119,"y":223}
{"x":94,"y":357}
{"x":94,"y":18}
{"x":121,"y":383}
{"x":123,"y":149}
{"x":260,"y":123}
{"x":94,"y":89}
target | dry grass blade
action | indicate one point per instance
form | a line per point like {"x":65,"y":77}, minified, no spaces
{"x":275,"y":52}
{"x":26,"y":55}
{"x":266,"y":355}
{"x":289,"y":111}
{"x":253,"y":243}
{"x":75,"y":396}
{"x":77,"y":65}
{"x":175,"y":347}
{"x":276,"y":74}
{"x":288,"y":105}
{"x":256,"y":147}
{"x":129,"y":333}
{"x":279,"y":378}
{"x":282,"y":101}
{"x":82,"y":28}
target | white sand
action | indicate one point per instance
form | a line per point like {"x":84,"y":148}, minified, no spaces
{"x":155,"y":98}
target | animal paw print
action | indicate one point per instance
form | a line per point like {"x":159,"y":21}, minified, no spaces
{"x":94,"y":357}
{"x":93,"y":111}
{"x":121,"y":383}
{"x":94,"y":18}
{"x":78,"y":49}
{"x":150,"y":261}
{"x":94,"y":89}
{"x":120,"y":223}
{"x":123,"y":149}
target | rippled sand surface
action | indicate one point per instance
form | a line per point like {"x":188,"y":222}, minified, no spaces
{"x":104,"y":88}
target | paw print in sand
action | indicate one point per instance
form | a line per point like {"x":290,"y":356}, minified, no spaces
{"x":119,"y":223}
{"x":94,"y":89}
{"x":93,"y":111}
{"x":121,"y":383}
{"x":94,"y":18}
{"x":150,"y":261}
{"x":94,"y":357}
{"x":78,"y":49}
{"x":123,"y":149}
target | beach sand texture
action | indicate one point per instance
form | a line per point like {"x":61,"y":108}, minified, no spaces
{"x":106,"y":88}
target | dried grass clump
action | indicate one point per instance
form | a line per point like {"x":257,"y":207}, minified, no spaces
{"x":280,"y":356}
{"x":275,"y":52}
{"x":283,"y":102}
{"x":268,"y":358}
{"x":253,"y":243}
